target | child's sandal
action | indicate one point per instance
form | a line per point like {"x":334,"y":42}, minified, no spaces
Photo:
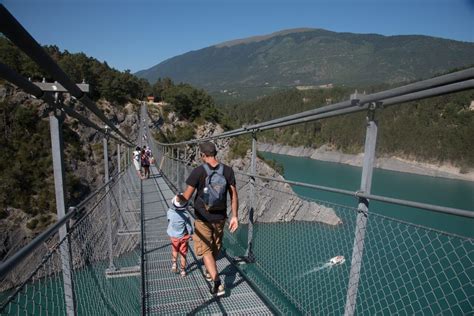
{"x":183,"y":272}
{"x":174,"y":268}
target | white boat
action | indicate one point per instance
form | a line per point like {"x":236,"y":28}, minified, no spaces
{"x":337,"y":260}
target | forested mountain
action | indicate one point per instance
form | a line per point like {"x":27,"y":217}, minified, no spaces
{"x":436,"y":130}
{"x":314,"y":57}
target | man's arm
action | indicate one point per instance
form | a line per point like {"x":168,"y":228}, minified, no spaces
{"x":234,"y":221}
{"x":188,"y":193}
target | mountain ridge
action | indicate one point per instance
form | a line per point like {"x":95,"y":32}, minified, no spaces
{"x":314,"y":57}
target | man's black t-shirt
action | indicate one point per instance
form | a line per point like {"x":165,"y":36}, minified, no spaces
{"x":197,"y":179}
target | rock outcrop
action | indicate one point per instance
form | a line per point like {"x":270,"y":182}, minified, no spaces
{"x":276,"y":201}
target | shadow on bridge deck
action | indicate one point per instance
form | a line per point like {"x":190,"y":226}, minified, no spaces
{"x":169,"y":293}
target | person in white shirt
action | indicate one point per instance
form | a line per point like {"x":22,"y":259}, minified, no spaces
{"x":137,"y":161}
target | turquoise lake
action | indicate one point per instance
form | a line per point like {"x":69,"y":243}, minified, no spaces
{"x":438,"y":191}
{"x":414,"y":261}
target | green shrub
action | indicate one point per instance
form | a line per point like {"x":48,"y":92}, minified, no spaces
{"x":44,"y":218}
{"x":32,"y":223}
{"x":239,"y":147}
{"x":184,"y":133}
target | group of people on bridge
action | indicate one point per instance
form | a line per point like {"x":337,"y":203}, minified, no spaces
{"x":142,"y":159}
{"x":210,"y":183}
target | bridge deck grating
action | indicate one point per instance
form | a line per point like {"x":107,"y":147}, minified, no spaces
{"x":169,"y":293}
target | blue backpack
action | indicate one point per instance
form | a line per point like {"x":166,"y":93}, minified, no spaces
{"x":215,"y":189}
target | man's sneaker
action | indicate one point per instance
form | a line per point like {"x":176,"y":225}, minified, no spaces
{"x":218,"y":288}
{"x":207,"y":276}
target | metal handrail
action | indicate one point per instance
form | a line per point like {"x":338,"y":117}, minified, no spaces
{"x":454,"y":82}
{"x":359,"y":194}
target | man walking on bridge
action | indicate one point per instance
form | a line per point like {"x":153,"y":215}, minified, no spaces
{"x":212,"y":181}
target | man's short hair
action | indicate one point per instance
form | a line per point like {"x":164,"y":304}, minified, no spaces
{"x":208,"y":148}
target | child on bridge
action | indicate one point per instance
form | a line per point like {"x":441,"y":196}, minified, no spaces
{"x":180,"y":230}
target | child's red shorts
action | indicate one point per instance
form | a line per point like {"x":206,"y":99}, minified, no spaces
{"x":180,"y":244}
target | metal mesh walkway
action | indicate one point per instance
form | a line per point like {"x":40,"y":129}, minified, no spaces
{"x":169,"y":293}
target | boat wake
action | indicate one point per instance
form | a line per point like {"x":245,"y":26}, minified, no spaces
{"x":316,"y":269}
{"x":338,"y":260}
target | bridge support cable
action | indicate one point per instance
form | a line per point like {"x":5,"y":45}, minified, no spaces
{"x":12,"y":29}
{"x":57,"y":148}
{"x":120,"y":201}
{"x":451,"y":83}
{"x":362,"y":214}
{"x":249,"y":256}
{"x":142,"y":254}
{"x":360,"y":100}
{"x":178,"y":178}
{"x":451,"y":88}
{"x":36,"y":91}
{"x":107,"y":203}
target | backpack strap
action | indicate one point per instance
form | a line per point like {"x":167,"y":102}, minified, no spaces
{"x":207,"y":168}
{"x":209,"y":171}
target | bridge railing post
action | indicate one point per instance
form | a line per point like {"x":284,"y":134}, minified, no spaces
{"x":170,"y":172}
{"x":363,"y":212}
{"x":167,"y":160}
{"x":56,"y":119}
{"x":198,"y":152}
{"x":178,"y":177}
{"x":107,"y":201}
{"x":120,"y":205}
{"x":185,"y":166}
{"x":126,"y":157}
{"x":253,"y":170}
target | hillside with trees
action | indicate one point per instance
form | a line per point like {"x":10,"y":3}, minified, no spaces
{"x":187,"y":107}
{"x":436,"y":130}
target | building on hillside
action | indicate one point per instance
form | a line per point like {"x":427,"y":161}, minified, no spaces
{"x":323,"y":86}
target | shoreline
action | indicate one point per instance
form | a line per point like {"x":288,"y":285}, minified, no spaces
{"x":387,"y":163}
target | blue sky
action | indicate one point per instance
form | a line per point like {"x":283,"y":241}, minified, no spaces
{"x":138,"y":34}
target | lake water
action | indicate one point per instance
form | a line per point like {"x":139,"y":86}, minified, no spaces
{"x":431,"y":190}
{"x":413,"y":260}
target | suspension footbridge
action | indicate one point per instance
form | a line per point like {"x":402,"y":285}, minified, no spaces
{"x":110,"y":255}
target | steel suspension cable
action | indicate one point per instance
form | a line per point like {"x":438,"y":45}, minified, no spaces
{"x":26,"y":85}
{"x":21,"y":38}
{"x":451,"y":83}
